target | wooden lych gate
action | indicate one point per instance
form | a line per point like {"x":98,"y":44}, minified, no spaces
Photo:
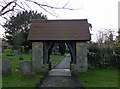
{"x":48,"y":32}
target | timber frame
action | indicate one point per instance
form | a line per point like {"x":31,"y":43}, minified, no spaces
{"x":45,"y":33}
{"x":48,"y":45}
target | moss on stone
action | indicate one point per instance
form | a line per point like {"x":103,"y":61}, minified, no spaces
{"x":75,"y":69}
{"x":43,"y":69}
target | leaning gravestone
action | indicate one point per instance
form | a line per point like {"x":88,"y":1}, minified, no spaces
{"x":6,"y":67}
{"x":26,"y":68}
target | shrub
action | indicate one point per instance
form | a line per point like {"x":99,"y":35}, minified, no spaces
{"x":102,"y":58}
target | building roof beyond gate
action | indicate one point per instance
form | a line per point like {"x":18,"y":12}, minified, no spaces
{"x":59,"y":30}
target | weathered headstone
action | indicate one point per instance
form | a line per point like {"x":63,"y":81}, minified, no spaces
{"x":53,"y":59}
{"x":21,"y":49}
{"x":15,"y":53}
{"x":55,"y":51}
{"x":26,"y":68}
{"x":6,"y":67}
{"x":30,"y":51}
{"x":9,"y":55}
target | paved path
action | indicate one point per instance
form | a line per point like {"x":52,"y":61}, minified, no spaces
{"x":60,"y":72}
{"x":62,"y":68}
{"x":60,"y":77}
{"x":59,"y":82}
{"x":64,"y":63}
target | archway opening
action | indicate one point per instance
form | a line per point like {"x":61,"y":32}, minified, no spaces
{"x":61,"y":51}
{"x":58,"y":58}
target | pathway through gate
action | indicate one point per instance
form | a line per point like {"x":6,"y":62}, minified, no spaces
{"x":60,"y":76}
{"x":64,"y":63}
{"x":62,"y":68}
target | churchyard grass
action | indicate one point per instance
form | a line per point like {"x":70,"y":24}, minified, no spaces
{"x":98,"y":78}
{"x":90,"y":78}
{"x":58,"y":57}
{"x":16,"y":79}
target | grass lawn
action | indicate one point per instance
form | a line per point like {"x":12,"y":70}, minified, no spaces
{"x":58,"y":57}
{"x":99,"y":78}
{"x":15,"y":79}
{"x":91,"y":78}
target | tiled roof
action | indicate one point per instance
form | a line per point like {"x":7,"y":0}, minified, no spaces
{"x":59,"y":30}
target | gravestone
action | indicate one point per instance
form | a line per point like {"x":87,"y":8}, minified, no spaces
{"x":21,"y":49}
{"x":55,"y":51}
{"x":20,"y":57}
{"x":30,"y":51}
{"x":6,"y":67}
{"x":9,"y":55}
{"x":15,"y":53}
{"x":26,"y":68}
{"x":53,"y":59}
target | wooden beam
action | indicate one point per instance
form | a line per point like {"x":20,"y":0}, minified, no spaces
{"x":71,"y":46}
{"x":74,"y":52}
{"x":45,"y":54}
{"x":47,"y":46}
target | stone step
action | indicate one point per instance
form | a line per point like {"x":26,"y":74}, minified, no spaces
{"x":60,"y":72}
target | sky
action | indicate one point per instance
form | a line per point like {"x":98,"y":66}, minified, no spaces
{"x":102,"y":14}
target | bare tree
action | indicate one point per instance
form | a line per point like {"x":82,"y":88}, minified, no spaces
{"x":106,"y":38}
{"x":14,"y":6}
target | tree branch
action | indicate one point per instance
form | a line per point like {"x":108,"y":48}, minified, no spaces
{"x":66,"y":4}
{"x":7,"y":10}
{"x":50,"y":6}
{"x":48,"y":11}
{"x":6,"y":6}
{"x":21,"y":5}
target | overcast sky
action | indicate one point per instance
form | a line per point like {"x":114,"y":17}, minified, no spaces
{"x":102,"y":14}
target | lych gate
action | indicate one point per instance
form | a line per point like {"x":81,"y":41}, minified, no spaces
{"x":48,"y":45}
{"x":44,"y":33}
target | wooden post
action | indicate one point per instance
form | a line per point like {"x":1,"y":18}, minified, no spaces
{"x":45,"y":55}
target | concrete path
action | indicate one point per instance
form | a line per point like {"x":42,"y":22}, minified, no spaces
{"x":60,"y":72}
{"x":59,"y":82}
{"x":64,"y":63}
{"x":62,"y":68}
{"x":60,"y":77}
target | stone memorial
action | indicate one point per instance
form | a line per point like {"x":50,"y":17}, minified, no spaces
{"x":15,"y":53}
{"x":6,"y":67}
{"x":9,"y":55}
{"x":26,"y":68}
{"x":30,"y":51}
{"x":53,"y":59}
